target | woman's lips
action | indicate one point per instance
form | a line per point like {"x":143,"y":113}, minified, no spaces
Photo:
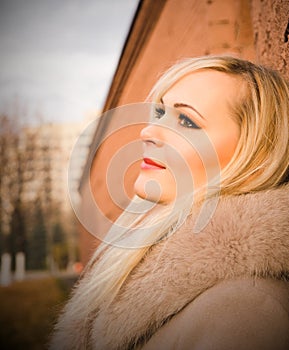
{"x":148,"y":163}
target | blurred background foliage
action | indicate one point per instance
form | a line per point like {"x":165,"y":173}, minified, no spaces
{"x":32,"y":217}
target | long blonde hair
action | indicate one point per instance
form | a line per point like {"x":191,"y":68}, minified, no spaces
{"x":260,"y":162}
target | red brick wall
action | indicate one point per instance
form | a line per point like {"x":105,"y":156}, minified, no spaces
{"x":270,"y":19}
{"x":190,"y":28}
{"x":252,"y":30}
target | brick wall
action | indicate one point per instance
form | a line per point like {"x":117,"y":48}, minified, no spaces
{"x":270,"y":19}
{"x":250,"y":29}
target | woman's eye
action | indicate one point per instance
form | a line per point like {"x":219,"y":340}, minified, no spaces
{"x":187,"y":122}
{"x":159,"y":112}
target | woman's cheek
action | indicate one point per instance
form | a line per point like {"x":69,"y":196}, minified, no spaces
{"x":186,"y":168}
{"x":225,"y":148}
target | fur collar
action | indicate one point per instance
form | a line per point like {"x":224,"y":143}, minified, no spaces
{"x":247,"y":236}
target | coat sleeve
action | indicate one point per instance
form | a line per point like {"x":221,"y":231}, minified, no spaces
{"x":233,"y":315}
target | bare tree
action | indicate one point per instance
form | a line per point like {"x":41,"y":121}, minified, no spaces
{"x":31,"y":217}
{"x":24,"y":182}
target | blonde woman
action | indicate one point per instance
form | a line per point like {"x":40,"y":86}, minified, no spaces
{"x":161,"y":285}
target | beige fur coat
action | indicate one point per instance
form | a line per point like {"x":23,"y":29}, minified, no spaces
{"x":191,"y":290}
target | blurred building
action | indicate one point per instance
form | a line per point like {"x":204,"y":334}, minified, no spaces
{"x":53,"y":146}
{"x":162,"y":33}
{"x":37,"y":228}
{"x":54,"y":182}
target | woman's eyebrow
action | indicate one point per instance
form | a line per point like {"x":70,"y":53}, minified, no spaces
{"x":177,"y":105}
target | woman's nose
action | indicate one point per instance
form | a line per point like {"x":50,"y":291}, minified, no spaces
{"x":152,"y":134}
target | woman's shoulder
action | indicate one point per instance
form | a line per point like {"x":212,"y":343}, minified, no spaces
{"x":248,"y":289}
{"x":246,"y":311}
{"x":234,"y":314}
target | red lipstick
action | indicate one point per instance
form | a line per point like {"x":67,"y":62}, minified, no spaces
{"x":150,"y":164}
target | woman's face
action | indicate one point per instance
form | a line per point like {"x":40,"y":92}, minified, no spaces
{"x":192,"y":135}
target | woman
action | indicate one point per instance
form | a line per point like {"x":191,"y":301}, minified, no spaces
{"x":224,"y":122}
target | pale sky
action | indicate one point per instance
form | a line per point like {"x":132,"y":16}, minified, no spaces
{"x":57,"y":57}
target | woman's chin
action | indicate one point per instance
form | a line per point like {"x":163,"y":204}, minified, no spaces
{"x":151,"y":192}
{"x":140,"y":192}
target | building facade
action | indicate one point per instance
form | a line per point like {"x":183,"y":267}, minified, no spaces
{"x":162,"y":33}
